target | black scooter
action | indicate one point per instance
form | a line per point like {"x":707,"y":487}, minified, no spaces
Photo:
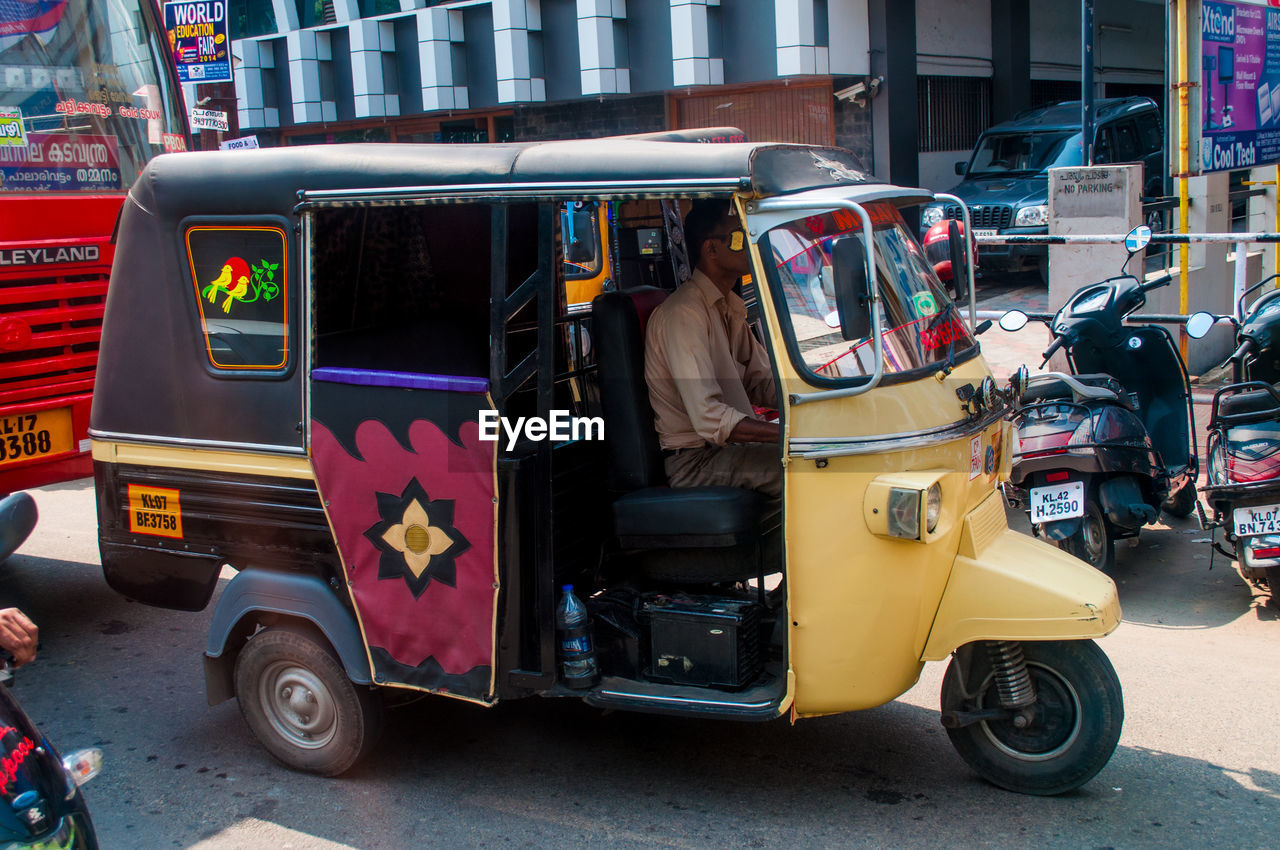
{"x":40,"y":800}
{"x":1243,"y":448}
{"x":1103,"y":450}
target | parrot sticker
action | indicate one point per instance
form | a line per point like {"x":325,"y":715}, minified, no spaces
{"x":239,"y":280}
{"x":243,"y":282}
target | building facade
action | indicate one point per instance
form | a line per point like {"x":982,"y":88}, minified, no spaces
{"x":905,"y":85}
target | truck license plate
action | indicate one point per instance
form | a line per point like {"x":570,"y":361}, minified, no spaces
{"x":1258,"y":519}
{"x":1057,"y":501}
{"x":986,"y":231}
{"x":24,"y":436}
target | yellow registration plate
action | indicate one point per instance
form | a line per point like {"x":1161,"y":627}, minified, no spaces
{"x":25,"y":436}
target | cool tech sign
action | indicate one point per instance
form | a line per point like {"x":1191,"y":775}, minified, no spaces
{"x":1240,"y":85}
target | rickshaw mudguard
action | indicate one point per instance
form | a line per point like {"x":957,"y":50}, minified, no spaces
{"x":290,"y":595}
{"x":1020,"y":588}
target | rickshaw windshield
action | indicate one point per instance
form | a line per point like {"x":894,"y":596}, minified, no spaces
{"x":922,"y":326}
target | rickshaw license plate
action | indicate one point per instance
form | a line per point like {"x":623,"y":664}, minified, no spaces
{"x":986,"y":231}
{"x":1058,"y":501}
{"x":1258,"y":519}
{"x":24,"y":436}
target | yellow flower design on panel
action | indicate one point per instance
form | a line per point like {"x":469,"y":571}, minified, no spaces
{"x":416,"y":538}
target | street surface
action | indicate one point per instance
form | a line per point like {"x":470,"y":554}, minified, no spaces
{"x":1198,"y":763}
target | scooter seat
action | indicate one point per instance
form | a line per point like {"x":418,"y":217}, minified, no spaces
{"x":1253,"y":401}
{"x":1051,"y":388}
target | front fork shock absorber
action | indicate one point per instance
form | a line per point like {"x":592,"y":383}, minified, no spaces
{"x":1013,"y":682}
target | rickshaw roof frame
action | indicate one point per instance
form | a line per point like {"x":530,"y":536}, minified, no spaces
{"x":291,"y":179}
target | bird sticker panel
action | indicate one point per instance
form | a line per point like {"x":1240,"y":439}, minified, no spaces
{"x":239,"y":276}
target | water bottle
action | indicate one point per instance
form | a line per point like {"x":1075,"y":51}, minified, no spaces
{"x":573,"y":633}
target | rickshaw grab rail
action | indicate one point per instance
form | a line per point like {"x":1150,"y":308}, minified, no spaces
{"x":768,"y":205}
{"x":813,"y":448}
{"x":314,"y":198}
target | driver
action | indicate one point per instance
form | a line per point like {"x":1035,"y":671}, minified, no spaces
{"x":705,"y":369}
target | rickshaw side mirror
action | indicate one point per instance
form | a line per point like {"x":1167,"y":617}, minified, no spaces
{"x":853,"y":296}
{"x":959,"y":258}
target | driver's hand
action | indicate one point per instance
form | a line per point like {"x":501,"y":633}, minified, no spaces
{"x":18,"y":635}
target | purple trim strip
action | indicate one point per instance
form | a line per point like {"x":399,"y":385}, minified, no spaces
{"x":403,"y":380}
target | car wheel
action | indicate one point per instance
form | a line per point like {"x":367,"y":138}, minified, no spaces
{"x":298,"y":701}
{"x":1067,"y":736}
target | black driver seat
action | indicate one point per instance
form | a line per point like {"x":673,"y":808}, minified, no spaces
{"x":708,"y":534}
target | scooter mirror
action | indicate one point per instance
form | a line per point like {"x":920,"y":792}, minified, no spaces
{"x":1138,"y":238}
{"x":1199,"y":324}
{"x":1014,"y":320}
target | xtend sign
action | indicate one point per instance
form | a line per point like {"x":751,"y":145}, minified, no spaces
{"x":1218,"y":22}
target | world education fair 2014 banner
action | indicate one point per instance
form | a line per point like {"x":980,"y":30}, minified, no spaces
{"x":198,"y":37}
{"x":1240,"y":85}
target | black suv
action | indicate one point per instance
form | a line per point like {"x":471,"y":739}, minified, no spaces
{"x":1006,"y":180}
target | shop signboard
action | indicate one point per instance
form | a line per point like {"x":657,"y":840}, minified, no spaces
{"x":1240,"y":85}
{"x":57,"y":162}
{"x":198,"y":36}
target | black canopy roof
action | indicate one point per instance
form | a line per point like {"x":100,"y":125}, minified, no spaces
{"x":274,"y":179}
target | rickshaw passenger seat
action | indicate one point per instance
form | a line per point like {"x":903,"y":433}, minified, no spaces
{"x":648,"y":514}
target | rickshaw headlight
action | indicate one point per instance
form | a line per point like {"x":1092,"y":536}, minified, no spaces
{"x":904,"y":513}
{"x":933,"y":508}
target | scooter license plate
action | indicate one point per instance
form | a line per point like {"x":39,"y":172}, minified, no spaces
{"x":1057,"y":501}
{"x":1258,"y":519}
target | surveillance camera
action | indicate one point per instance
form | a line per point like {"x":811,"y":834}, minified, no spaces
{"x":853,"y":92}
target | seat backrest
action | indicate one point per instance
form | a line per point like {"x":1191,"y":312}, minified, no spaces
{"x":617,"y":330}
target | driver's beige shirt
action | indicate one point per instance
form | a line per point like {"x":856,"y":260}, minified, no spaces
{"x":703,"y":366}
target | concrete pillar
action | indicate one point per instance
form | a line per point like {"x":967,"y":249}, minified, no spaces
{"x":370,"y":39}
{"x":691,"y":61}
{"x":307,"y":49}
{"x":603,"y":71}
{"x":1211,"y":277}
{"x":518,"y":80}
{"x":798,"y":53}
{"x":1099,"y":200}
{"x":440,"y":37}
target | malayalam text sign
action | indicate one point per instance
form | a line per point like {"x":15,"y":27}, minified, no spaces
{"x":208,"y":119}
{"x":198,"y":36}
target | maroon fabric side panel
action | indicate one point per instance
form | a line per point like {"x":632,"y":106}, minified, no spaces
{"x":438,"y":619}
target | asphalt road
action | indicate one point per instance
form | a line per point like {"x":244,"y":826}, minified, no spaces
{"x":1198,"y":764}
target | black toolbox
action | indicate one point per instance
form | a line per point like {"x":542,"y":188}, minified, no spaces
{"x":702,"y":640}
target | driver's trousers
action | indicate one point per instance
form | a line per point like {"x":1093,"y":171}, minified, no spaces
{"x":755,"y":466}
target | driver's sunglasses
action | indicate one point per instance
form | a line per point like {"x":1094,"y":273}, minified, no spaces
{"x":735,"y":239}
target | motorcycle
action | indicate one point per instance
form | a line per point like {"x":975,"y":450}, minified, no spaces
{"x":1243,"y":446}
{"x":41,"y":805}
{"x":1102,"y":450}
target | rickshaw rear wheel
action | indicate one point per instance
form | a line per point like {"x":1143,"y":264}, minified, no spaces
{"x":300,"y":704}
{"x":1075,"y":721}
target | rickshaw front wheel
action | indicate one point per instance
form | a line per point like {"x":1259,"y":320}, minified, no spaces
{"x":300,"y":704}
{"x":1074,"y":724}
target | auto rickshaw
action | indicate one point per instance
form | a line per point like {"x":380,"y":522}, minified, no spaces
{"x":325,"y":367}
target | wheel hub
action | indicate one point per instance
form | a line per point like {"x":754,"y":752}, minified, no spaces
{"x":298,"y":705}
{"x":1044,"y":730}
